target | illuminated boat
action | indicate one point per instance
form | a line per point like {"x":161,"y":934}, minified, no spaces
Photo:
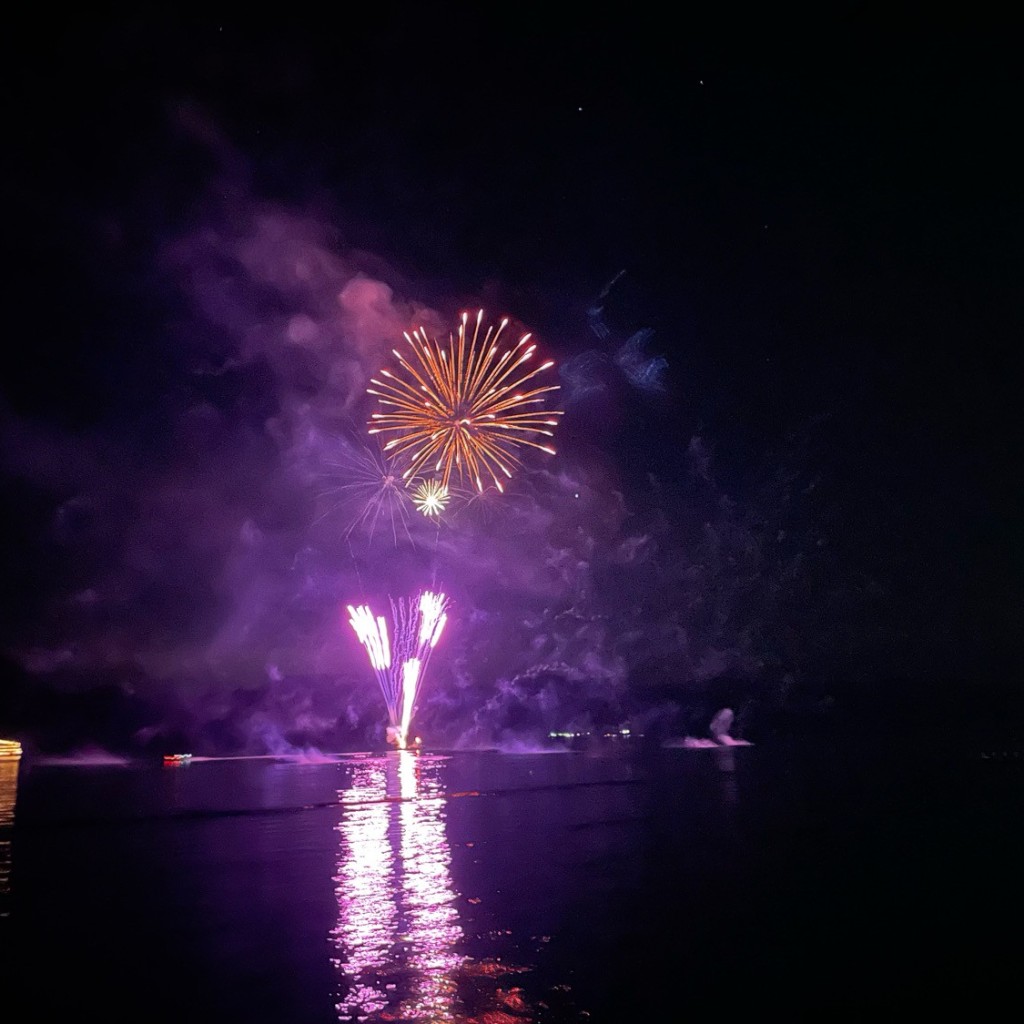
{"x":176,"y":759}
{"x":10,"y":749}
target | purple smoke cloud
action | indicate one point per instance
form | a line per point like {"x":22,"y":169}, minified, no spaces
{"x":202,"y":563}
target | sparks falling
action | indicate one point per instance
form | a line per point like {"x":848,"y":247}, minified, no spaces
{"x":464,"y":408}
{"x":366,"y":486}
{"x":400,"y":661}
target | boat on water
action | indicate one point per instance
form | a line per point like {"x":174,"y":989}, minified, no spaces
{"x":10,"y":749}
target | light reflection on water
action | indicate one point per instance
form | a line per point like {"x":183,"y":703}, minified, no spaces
{"x":493,"y":889}
{"x":8,"y":798}
{"x":400,"y":943}
{"x":398,"y":932}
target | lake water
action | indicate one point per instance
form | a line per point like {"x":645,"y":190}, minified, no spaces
{"x":616,"y":885}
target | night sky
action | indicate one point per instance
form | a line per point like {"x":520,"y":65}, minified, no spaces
{"x":780,"y":276}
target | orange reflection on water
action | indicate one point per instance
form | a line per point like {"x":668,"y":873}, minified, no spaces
{"x":398,"y":932}
{"x":8,"y":798}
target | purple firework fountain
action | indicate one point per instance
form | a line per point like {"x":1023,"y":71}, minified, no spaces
{"x":399,"y":658}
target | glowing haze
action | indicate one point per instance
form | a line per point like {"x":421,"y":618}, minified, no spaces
{"x":203,"y":526}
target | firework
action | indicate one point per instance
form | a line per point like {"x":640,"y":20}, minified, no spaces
{"x":399,"y":658}
{"x":431,"y":497}
{"x":367,"y":486}
{"x":465,"y":408}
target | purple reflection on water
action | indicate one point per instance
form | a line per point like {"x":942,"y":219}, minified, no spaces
{"x":398,"y":934}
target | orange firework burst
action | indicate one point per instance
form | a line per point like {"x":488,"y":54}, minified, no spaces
{"x":464,"y":408}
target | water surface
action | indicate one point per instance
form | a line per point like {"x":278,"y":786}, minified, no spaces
{"x":616,"y":885}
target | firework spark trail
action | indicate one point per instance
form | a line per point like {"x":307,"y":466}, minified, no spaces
{"x":373,"y":635}
{"x":463,"y":407}
{"x":372,"y":489}
{"x":410,"y":682}
{"x":401,"y":665}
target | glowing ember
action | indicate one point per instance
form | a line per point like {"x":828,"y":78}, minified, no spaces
{"x":401,"y":663}
{"x":464,"y":407}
